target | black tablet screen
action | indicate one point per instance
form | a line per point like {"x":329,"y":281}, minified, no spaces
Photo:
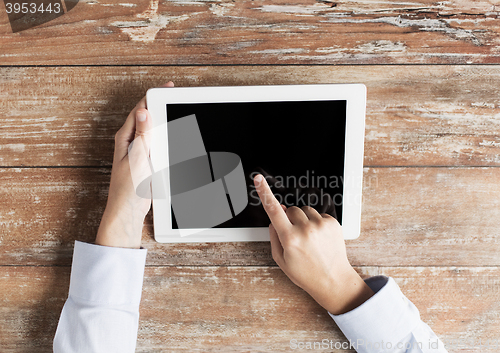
{"x":298,"y":146}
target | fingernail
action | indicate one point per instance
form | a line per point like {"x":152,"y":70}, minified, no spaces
{"x":258,"y":178}
{"x":141,"y":116}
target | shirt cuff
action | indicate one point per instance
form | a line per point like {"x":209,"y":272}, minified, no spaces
{"x":107,"y":275}
{"x":388,"y":316}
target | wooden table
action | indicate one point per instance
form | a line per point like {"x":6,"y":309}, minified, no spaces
{"x":431,"y":207}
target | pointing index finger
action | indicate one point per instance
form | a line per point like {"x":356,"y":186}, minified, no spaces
{"x":276,"y":214}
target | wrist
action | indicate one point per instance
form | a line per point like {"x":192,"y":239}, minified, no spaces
{"x":347,"y":292}
{"x":119,"y":230}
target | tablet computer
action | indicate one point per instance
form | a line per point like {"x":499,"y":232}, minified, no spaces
{"x":209,"y":143}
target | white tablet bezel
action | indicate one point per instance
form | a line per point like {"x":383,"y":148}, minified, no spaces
{"x":353,"y":94}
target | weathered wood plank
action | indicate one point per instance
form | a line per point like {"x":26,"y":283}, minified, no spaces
{"x":220,"y":309}
{"x":411,"y":216}
{"x":416,"y":115}
{"x":31,"y":301}
{"x":259,"y":32}
{"x":459,"y":302}
{"x":250,"y":309}
{"x":427,"y":216}
{"x":44,"y":210}
{"x":183,"y":309}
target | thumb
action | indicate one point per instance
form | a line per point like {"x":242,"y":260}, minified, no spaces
{"x":138,"y":154}
{"x":143,"y":124}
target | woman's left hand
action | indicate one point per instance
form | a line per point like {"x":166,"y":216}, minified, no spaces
{"x":123,"y":219}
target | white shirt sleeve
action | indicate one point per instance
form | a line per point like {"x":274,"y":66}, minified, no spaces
{"x":387,"y":322}
{"x":101,"y":313}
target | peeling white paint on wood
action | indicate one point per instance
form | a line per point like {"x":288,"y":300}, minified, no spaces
{"x":221,"y":9}
{"x":425,"y":25}
{"x":281,"y":51}
{"x":203,"y":32}
{"x":381,"y":46}
{"x":150,"y":23}
{"x":308,"y":10}
{"x":14,"y":147}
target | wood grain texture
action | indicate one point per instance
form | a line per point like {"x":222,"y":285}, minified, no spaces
{"x":459,"y":303}
{"x":431,"y":192}
{"x":179,"y":32}
{"x":468,"y":307}
{"x":31,"y":301}
{"x":247,"y":309}
{"x":416,"y":115}
{"x":411,"y":216}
